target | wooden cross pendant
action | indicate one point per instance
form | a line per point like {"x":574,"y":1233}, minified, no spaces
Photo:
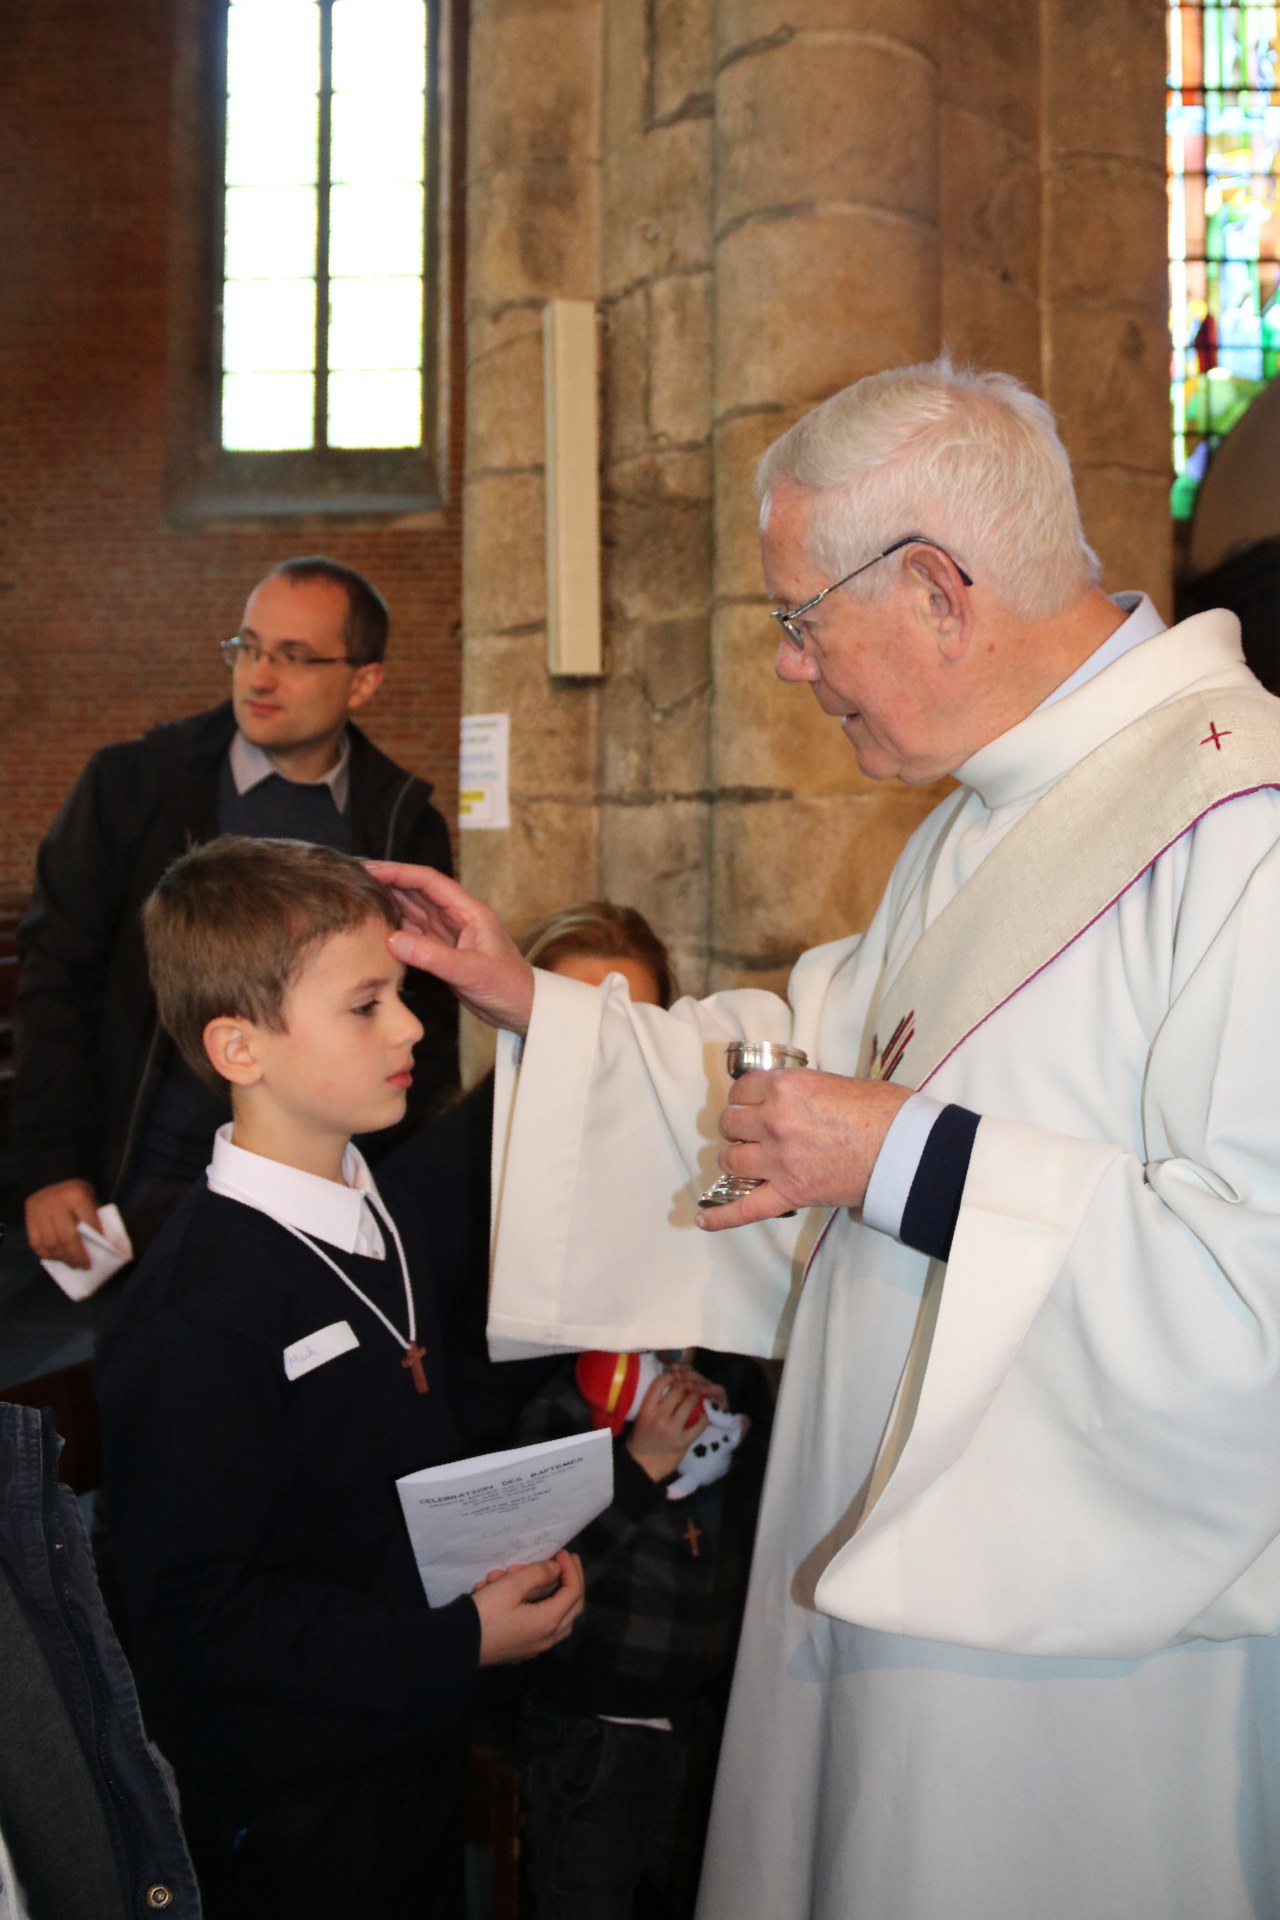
{"x":692,"y":1533}
{"x":414,"y":1355}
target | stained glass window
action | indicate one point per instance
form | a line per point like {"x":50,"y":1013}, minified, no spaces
{"x":324,"y":227}
{"x":1223,"y":131}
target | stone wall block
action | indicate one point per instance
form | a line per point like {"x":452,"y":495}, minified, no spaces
{"x":990,"y":215}
{"x":988,"y":323}
{"x":680,"y":368}
{"x":627,"y":61}
{"x":774,"y":343}
{"x":989,"y":59}
{"x":504,"y":552}
{"x":505,"y":413}
{"x":683,"y":58}
{"x":654,"y":858}
{"x":739,"y":442}
{"x":1126,"y":522}
{"x":625,"y":429}
{"x":674,"y":659}
{"x":626,"y":735}
{"x":746,"y":24}
{"x":766,"y":732}
{"x":1107,"y":383}
{"x":723,"y":975}
{"x":547,"y":107}
{"x":531,"y":235}
{"x":1104,"y":68}
{"x":787,"y":875}
{"x":1106,"y":233}
{"x":656,"y":193}
{"x":546,"y":858}
{"x":818,"y":122}
{"x":654,"y":709}
{"x":657,"y":536}
{"x":552,"y":748}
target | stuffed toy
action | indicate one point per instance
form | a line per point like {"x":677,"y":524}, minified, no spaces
{"x":614,"y":1384}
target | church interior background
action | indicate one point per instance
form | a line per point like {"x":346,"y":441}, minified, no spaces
{"x":275,"y":277}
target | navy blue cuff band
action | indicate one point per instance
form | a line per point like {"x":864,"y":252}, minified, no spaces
{"x":933,"y":1204}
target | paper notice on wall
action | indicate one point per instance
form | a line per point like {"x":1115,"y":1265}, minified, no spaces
{"x":503,"y":1509}
{"x":483,"y":794}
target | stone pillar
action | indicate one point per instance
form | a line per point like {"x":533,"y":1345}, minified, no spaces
{"x":989,"y":155}
{"x":769,"y":201}
{"x":532,"y":234}
{"x":826,"y":268}
{"x":656,"y":484}
{"x":1104,"y":275}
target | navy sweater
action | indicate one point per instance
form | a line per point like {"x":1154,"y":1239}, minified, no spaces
{"x":278,"y":1627}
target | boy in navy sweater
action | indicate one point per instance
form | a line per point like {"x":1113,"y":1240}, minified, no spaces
{"x":281,"y":1356}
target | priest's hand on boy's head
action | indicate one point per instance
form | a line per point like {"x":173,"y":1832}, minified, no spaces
{"x":449,"y":933}
{"x":668,"y":1421}
{"x":811,"y":1138}
{"x":514,"y":1623}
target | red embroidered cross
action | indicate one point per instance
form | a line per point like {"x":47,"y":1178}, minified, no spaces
{"x":1216,"y":737}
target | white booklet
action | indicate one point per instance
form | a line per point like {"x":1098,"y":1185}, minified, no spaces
{"x":503,"y":1509}
{"x":107,"y":1253}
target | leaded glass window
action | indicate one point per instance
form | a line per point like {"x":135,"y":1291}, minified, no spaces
{"x":311,"y":300}
{"x":324,"y":223}
{"x":1223,"y":133}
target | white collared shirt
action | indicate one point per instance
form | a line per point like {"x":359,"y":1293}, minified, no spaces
{"x":328,"y":1210}
{"x":902,"y":1148}
{"x":250,"y":766}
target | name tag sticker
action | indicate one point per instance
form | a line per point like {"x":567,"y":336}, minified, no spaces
{"x":326,"y":1343}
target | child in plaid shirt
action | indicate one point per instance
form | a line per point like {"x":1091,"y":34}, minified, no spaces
{"x":621,"y":1724}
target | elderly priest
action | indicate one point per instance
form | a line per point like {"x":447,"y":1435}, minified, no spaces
{"x":1010,"y":1648}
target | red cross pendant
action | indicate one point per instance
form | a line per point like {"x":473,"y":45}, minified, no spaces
{"x":414,"y":1355}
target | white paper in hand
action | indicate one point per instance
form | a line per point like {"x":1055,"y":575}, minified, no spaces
{"x":503,"y":1509}
{"x":107,"y":1253}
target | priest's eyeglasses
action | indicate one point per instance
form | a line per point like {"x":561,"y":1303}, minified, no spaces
{"x":789,"y":618}
{"x":291,"y":656}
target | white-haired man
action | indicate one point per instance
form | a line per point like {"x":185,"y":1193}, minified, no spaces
{"x":1010,"y":1647}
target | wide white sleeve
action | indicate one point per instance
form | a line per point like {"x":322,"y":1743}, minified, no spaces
{"x":1094,"y":1463}
{"x":605,"y":1132}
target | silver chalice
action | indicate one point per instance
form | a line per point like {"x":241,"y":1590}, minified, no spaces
{"x":749,"y":1056}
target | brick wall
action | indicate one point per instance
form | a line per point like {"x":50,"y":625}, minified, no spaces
{"x":109,"y":612}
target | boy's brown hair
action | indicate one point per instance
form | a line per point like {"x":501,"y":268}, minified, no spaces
{"x":232,"y":924}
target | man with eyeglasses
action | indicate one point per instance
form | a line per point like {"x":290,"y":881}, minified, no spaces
{"x":102,"y":1107}
{"x":1012,"y":1643}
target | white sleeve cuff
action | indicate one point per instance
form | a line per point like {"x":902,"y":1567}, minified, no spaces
{"x":898,"y":1162}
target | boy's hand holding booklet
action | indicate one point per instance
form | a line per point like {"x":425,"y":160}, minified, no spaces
{"x":503,"y":1509}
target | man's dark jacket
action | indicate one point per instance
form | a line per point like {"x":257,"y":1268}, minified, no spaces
{"x":88,"y":1048}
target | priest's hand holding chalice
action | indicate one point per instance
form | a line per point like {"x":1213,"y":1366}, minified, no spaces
{"x":795,"y":1137}
{"x":749,"y":1056}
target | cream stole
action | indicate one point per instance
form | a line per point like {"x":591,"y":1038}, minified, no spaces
{"x":1070,"y":858}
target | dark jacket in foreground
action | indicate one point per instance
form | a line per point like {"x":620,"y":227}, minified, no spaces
{"x":88,"y":1051}
{"x":84,"y":1809}
{"x":278,"y":1627}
